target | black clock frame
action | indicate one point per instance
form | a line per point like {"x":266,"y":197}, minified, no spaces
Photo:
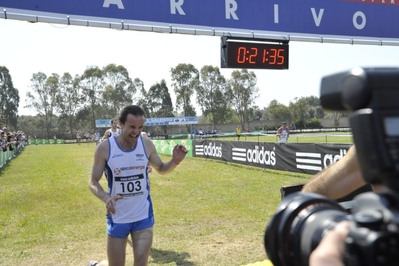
{"x":254,"y":53}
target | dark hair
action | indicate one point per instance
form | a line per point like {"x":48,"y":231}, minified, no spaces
{"x":131,"y":109}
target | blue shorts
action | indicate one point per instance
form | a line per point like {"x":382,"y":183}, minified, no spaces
{"x":123,"y":230}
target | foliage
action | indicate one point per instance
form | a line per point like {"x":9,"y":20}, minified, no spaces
{"x":305,"y":108}
{"x":68,"y":104}
{"x":92,"y":85}
{"x":242,"y":93}
{"x":9,"y":98}
{"x":211,"y":95}
{"x":185,"y":78}
{"x":313,"y":123}
{"x":256,"y":114}
{"x":159,"y":103}
{"x":278,"y":113}
{"x":69,"y":100}
{"x":119,"y":89}
{"x":299,"y":110}
{"x":336,"y":116}
{"x":43,"y":98}
{"x":142,"y":98}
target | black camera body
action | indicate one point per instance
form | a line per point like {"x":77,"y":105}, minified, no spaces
{"x":302,"y":219}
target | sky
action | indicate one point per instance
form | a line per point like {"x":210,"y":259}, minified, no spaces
{"x":28,"y":48}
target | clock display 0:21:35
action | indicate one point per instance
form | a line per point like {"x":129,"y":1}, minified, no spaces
{"x":257,"y":55}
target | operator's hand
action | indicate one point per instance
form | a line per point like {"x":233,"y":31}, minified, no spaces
{"x":331,"y":249}
{"x":111,"y":202}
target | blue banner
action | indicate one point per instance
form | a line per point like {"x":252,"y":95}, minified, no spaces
{"x":100,"y":123}
{"x":354,"y":18}
{"x":165,"y":121}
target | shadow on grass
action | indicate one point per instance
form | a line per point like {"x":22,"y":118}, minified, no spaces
{"x":4,"y":166}
{"x":166,"y":256}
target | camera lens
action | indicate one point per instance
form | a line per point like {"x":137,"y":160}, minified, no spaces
{"x":298,"y":226}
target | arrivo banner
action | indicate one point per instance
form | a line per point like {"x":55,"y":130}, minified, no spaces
{"x":293,"y":157}
{"x":375,"y":19}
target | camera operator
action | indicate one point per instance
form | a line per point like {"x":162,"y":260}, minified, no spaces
{"x":339,"y":179}
{"x":309,"y":227}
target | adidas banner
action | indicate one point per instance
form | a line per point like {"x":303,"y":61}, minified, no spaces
{"x":294,"y":157}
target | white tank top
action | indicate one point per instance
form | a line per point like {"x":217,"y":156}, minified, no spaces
{"x":114,"y":134}
{"x":283,"y":135}
{"x":127,"y":175}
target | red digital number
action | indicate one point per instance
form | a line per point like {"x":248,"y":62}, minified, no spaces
{"x":242,"y":51}
{"x":280,"y":57}
{"x":264,"y":59}
{"x":242,"y":55}
{"x":254,"y":54}
{"x":275,"y":56}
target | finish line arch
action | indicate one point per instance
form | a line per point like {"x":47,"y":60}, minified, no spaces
{"x":373,"y":22}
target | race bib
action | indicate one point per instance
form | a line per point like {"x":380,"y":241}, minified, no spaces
{"x":130,"y":186}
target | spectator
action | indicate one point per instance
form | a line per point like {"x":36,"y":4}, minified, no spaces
{"x":87,"y":137}
{"x":3,"y":140}
{"x":96,"y":137}
{"x":113,"y":131}
{"x":78,"y":137}
{"x":283,"y":133}
{"x":238,"y":132}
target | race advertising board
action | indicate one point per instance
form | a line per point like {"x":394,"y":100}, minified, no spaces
{"x":293,"y":157}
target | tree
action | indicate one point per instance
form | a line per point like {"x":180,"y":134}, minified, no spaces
{"x":278,"y":112}
{"x":242,"y":93}
{"x":300,"y":110}
{"x":70,"y":99}
{"x":29,"y":125}
{"x":92,"y":84}
{"x":52,"y":88}
{"x":257,"y":113}
{"x":9,"y":98}
{"x":222,"y":111}
{"x":119,"y":88}
{"x":211,"y":94}
{"x":160,"y":102}
{"x":315,"y":109}
{"x":142,"y":99}
{"x":185,"y":79}
{"x":44,"y":97}
{"x":336,"y":116}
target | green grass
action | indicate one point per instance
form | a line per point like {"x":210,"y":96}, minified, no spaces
{"x":206,"y":212}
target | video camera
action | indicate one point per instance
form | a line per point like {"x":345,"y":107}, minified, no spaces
{"x":302,"y":219}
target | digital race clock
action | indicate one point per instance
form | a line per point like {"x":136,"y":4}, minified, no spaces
{"x":254,"y":53}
